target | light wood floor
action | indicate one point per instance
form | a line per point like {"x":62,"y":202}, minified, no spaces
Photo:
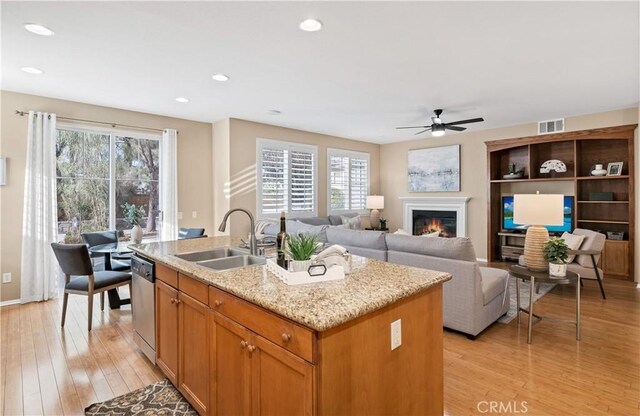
{"x":47,"y":370}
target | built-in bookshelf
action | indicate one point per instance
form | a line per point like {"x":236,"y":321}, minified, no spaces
{"x":579,"y":151}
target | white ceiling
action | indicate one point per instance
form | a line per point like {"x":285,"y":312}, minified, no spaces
{"x":374,"y":66}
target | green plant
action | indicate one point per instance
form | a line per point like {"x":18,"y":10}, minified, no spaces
{"x":132,"y":214}
{"x":302,"y":246}
{"x":556,"y":251}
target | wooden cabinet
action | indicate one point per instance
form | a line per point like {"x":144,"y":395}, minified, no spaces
{"x":614,"y":258}
{"x":251,"y":375}
{"x":193,"y":342}
{"x":579,"y":151}
{"x":167,"y":330}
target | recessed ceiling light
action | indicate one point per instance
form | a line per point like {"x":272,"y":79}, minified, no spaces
{"x":38,"y":29}
{"x":32,"y":70}
{"x":220,"y":77}
{"x":182,"y":100}
{"x":310,"y":25}
{"x":274,"y":112}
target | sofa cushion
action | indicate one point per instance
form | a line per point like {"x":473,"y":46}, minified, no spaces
{"x":493,"y":283}
{"x":356,"y":238}
{"x":297,"y":227}
{"x":314,"y":220}
{"x":271,"y":229}
{"x":572,"y":241}
{"x":592,"y":241}
{"x":459,"y":248}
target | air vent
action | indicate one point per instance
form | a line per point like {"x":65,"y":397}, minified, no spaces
{"x":551,"y":126}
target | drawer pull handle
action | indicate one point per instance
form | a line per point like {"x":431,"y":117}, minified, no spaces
{"x":178,"y":301}
{"x":243,"y":344}
{"x":218,"y":303}
{"x":173,"y":300}
{"x":286,"y":337}
{"x":251,"y":348}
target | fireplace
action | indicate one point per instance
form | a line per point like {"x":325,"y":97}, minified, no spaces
{"x":447,"y":215}
{"x":432,"y":221}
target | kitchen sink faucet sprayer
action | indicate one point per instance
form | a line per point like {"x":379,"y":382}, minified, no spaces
{"x":252,"y":242}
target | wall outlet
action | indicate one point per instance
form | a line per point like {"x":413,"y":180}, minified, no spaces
{"x":179,"y":215}
{"x":396,"y":334}
{"x":6,"y":277}
{"x":194,"y":214}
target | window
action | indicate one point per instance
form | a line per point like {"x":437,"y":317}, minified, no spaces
{"x":348,"y":177}
{"x":98,"y":171}
{"x":287,"y":178}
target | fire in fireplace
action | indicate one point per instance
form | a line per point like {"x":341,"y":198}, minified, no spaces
{"x":428,"y":221}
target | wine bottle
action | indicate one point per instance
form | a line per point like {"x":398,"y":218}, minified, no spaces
{"x":281,"y":240}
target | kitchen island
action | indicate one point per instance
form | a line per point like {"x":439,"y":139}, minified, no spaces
{"x":242,"y":342}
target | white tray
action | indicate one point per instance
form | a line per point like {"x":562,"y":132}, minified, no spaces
{"x":300,"y":278}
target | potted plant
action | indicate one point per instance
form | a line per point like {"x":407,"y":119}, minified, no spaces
{"x":300,"y":248}
{"x":133,"y":215}
{"x":556,"y":253}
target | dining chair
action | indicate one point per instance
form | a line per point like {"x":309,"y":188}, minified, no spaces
{"x":185,"y":233}
{"x":119,"y":262}
{"x":74,"y":260}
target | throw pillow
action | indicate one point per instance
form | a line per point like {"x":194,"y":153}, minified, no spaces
{"x":573,"y":242}
{"x":353,"y":223}
{"x":401,"y":232}
{"x":433,"y":234}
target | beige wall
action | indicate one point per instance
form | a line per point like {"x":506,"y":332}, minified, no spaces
{"x":473,"y":161}
{"x":242,"y":140}
{"x":195,"y":187}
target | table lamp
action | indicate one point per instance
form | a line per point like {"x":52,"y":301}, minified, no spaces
{"x":537,"y":210}
{"x":375,"y":203}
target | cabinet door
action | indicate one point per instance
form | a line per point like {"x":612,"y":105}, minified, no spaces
{"x":230,"y":367}
{"x":615,"y":258}
{"x":193,"y":377}
{"x":281,"y":383}
{"x":167,"y":330}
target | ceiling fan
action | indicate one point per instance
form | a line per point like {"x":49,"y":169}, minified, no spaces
{"x":438,"y":127}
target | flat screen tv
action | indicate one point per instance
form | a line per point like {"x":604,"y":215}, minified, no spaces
{"x":507,"y":217}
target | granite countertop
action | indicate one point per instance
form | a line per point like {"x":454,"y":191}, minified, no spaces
{"x":371,"y":285}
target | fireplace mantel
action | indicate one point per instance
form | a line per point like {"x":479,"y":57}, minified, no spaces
{"x":457,"y":204}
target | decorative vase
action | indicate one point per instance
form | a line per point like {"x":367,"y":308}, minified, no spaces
{"x":557,"y":269}
{"x":136,"y":234}
{"x":300,"y":265}
{"x":599,"y":171}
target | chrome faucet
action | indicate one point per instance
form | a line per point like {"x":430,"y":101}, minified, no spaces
{"x":252,"y":243}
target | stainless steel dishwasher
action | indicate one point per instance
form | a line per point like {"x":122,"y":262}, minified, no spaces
{"x":143,"y":304}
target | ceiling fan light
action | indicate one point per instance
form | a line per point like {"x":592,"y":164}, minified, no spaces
{"x":437,"y":133}
{"x":437,"y":120}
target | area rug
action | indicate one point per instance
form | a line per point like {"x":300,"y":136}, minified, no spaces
{"x":160,"y":398}
{"x":524,"y":297}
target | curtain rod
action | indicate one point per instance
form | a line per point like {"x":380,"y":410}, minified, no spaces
{"x":22,"y":113}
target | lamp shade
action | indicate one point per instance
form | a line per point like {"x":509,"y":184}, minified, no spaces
{"x":375,"y":202}
{"x":538,"y":209}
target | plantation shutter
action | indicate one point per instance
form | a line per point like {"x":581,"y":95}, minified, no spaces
{"x":287,"y":178}
{"x":348,"y":180}
{"x":275,"y":180}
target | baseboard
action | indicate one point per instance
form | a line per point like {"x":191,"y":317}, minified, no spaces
{"x":9,"y":302}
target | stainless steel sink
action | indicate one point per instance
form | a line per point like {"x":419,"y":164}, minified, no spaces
{"x":233,"y":262}
{"x":216,"y":253}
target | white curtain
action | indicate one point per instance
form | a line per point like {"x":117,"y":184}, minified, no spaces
{"x":169,"y":185}
{"x":39,"y":218}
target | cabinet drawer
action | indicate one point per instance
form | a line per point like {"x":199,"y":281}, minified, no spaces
{"x":290,"y":336}
{"x":193,"y":288}
{"x":167,"y":275}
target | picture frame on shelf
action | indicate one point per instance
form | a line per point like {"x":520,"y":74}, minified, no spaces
{"x":614,"y":169}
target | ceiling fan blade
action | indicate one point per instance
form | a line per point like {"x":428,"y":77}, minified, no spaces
{"x":420,"y":132}
{"x":471,"y":120}
{"x":456,"y":128}
{"x":414,"y":127}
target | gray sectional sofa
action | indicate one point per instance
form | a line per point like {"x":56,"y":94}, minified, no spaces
{"x":472,"y":300}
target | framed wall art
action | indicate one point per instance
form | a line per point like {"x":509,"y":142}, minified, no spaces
{"x":435,"y":169}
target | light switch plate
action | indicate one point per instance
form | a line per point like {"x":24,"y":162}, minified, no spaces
{"x":194,"y":214}
{"x":396,"y":334}
{"x":6,"y":277}
{"x":179,"y":215}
